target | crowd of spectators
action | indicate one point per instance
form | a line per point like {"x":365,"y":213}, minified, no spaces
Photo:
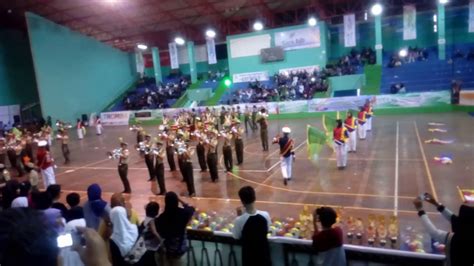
{"x":155,"y":97}
{"x":412,"y":55}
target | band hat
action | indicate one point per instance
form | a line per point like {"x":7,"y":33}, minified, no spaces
{"x":42,"y":143}
{"x":286,"y":130}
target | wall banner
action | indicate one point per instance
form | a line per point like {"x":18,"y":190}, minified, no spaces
{"x":298,"y":39}
{"x":211,"y":51}
{"x":471,"y":16}
{"x":409,"y":22}
{"x":307,"y":69}
{"x":115,"y":118}
{"x":173,"y":55}
{"x":250,"y":77}
{"x":349,"y":30}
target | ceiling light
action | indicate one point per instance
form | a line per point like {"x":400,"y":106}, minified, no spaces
{"x":258,"y":26}
{"x":210,"y":33}
{"x":443,"y":1}
{"x":376,"y":9}
{"x":312,"y":21}
{"x":142,"y":46}
{"x":179,"y":41}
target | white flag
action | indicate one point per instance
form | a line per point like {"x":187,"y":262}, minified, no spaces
{"x":211,"y":51}
{"x":409,"y":22}
{"x":349,"y":30}
{"x":471,"y":16}
{"x":173,"y":55}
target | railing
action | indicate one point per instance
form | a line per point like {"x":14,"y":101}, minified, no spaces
{"x":220,"y":249}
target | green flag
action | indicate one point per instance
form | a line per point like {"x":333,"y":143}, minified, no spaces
{"x":315,"y":142}
{"x":329,"y":123}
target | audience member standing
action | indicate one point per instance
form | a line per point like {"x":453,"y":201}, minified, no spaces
{"x":251,"y":227}
{"x":95,"y":208}
{"x":328,"y":240}
{"x":124,"y":235}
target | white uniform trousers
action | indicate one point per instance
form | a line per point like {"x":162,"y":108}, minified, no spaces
{"x":368,"y":124}
{"x":351,"y":146}
{"x":286,"y":166}
{"x":362,"y":131}
{"x":80,"y":133}
{"x":98,"y":129}
{"x":341,"y":154}
{"x":48,"y":177}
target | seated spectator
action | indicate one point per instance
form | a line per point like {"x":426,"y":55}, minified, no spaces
{"x":124,"y":235}
{"x":458,"y":242}
{"x":328,"y":240}
{"x":458,"y":54}
{"x":73,"y":200}
{"x":22,"y":200}
{"x":95,"y":209}
{"x":26,"y":240}
{"x":251,"y":227}
{"x":455,"y":92}
{"x":55,"y":193}
{"x":397,"y":88}
{"x":171,"y":226}
{"x":470,"y":55}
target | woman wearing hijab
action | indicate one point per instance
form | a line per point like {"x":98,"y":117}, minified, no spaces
{"x":171,"y":226}
{"x":124,"y":235}
{"x":95,"y":208}
{"x":458,"y":242}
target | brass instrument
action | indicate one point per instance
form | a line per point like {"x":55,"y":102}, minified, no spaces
{"x":115,"y":154}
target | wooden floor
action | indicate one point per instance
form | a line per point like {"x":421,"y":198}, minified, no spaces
{"x":375,"y":181}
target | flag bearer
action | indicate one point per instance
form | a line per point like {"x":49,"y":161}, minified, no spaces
{"x":340,"y":136}
{"x":350,"y":125}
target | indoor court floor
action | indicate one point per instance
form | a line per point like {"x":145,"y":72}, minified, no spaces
{"x":391,"y":167}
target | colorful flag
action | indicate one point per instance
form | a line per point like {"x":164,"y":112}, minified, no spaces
{"x":315,"y":141}
{"x":329,"y":123}
{"x":467,"y":195}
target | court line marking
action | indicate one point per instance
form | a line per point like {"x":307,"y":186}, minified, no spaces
{"x":428,"y":172}
{"x":397,"y":141}
{"x":195,"y":199}
{"x":144,"y":168}
{"x":318,"y":192}
{"x":82,"y":167}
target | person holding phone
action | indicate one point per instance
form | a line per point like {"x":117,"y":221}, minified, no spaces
{"x":458,"y":242}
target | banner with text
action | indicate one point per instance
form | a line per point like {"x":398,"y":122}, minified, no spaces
{"x":307,"y":69}
{"x":298,"y":39}
{"x":173,"y":50}
{"x":211,"y":51}
{"x":139,"y":63}
{"x":115,"y":118}
{"x":471,"y":16}
{"x":349,"y":30}
{"x":409,"y":22}
{"x":250,"y":77}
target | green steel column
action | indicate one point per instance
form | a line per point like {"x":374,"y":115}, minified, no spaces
{"x":192,"y":62}
{"x":378,"y":39}
{"x":156,"y":65}
{"x":441,"y":33}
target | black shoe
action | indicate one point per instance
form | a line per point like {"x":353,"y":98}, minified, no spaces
{"x":150,"y":179}
{"x":289,"y":178}
{"x":161,"y":193}
{"x":285,"y":182}
{"x":127,"y":191}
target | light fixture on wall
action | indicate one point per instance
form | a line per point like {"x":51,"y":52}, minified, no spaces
{"x":142,"y":46}
{"x":210,"y":33}
{"x":366,"y":15}
{"x":258,"y":26}
{"x":312,"y":21}
{"x":376,"y":9}
{"x":179,"y":41}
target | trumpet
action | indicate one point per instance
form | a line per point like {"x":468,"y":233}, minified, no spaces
{"x":135,"y":128}
{"x":115,"y":154}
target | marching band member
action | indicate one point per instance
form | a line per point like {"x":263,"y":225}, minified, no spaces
{"x":98,"y":126}
{"x":64,"y":138}
{"x":201,"y":153}
{"x":286,"y":154}
{"x":178,"y":143}
{"x":247,"y":120}
{"x":160,"y":167}
{"x":79,"y":129}
{"x":47,"y":132}
{"x":340,"y":136}
{"x":170,"y":152}
{"x":29,"y":145}
{"x":350,"y":125}
{"x":140,"y":134}
{"x":254,"y":118}
{"x":149,"y":157}
{"x":123,"y":167}
{"x":227,"y":151}
{"x":188,"y":171}
{"x":369,"y":114}
{"x":46,"y":164}
{"x":13,"y":152}
{"x":227,"y":121}
{"x":262,"y":120}
{"x":361,"y":120}
{"x":237,"y":132}
{"x":222,"y":116}
{"x":212,"y":156}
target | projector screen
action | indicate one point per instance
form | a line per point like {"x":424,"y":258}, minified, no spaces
{"x":273,"y":54}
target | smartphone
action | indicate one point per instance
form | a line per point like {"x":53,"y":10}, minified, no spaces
{"x":64,"y":240}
